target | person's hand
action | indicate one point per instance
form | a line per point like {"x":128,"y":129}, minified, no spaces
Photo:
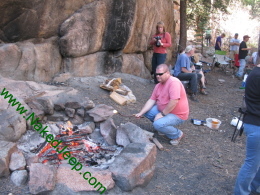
{"x":158,"y":116}
{"x":138,"y":115}
{"x":161,"y":42}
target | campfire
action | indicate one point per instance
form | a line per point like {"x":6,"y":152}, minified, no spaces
{"x":88,"y":151}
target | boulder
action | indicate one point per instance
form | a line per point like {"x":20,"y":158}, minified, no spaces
{"x":40,"y":60}
{"x":19,"y":177}
{"x":7,"y":148}
{"x":10,"y":55}
{"x":82,"y":33}
{"x":108,"y":131}
{"x":12,"y":125}
{"x":79,"y":181}
{"x":134,"y":64}
{"x":87,"y":127}
{"x":89,"y":65}
{"x":42,"y":178}
{"x":139,"y":165}
{"x":101,"y":112}
{"x":43,"y":18}
{"x":119,"y":25}
{"x":44,"y":104}
{"x":31,"y":60}
{"x":131,"y":133}
{"x":17,"y":161}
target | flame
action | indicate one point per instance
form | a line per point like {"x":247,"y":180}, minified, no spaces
{"x":47,"y":147}
{"x":74,"y":143}
{"x":45,"y":161}
{"x":60,"y":156}
{"x":67,"y":128}
{"x":90,"y":146}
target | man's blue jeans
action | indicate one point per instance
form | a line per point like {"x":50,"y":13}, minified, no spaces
{"x":248,"y":179}
{"x":242,"y":66}
{"x":165,"y":124}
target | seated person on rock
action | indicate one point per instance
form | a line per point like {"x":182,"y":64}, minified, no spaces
{"x":168,"y":105}
{"x":185,"y":72}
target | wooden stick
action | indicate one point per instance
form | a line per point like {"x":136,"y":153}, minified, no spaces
{"x":157,"y":143}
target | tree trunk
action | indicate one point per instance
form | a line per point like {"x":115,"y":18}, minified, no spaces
{"x":183,"y":26}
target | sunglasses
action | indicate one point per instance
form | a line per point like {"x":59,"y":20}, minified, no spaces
{"x":160,"y":74}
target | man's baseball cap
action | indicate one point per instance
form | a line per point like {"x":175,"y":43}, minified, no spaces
{"x":246,"y":36}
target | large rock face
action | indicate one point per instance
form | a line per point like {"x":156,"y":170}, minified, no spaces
{"x":35,"y":60}
{"x":84,"y":38}
{"x":25,"y":19}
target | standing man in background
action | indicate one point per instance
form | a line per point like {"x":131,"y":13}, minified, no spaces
{"x":234,"y":46}
{"x":208,"y":36}
{"x":219,"y":41}
{"x":243,"y":52}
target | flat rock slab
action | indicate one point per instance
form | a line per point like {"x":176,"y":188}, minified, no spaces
{"x":74,"y":180}
{"x":101,"y":112}
{"x":42,"y":178}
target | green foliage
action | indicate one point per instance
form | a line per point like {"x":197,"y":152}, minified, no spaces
{"x":255,"y":7}
{"x":198,"y":12}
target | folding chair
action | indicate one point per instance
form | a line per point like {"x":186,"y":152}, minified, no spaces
{"x":220,"y":59}
{"x":239,"y":131}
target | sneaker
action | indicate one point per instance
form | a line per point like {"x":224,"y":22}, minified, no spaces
{"x":203,"y":92}
{"x":175,"y":142}
{"x":194,"y":98}
{"x":161,"y":134}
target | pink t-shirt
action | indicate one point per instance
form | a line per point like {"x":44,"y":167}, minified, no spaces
{"x":172,"y":89}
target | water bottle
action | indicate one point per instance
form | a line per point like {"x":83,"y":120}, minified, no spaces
{"x":243,"y":84}
{"x":198,"y":122}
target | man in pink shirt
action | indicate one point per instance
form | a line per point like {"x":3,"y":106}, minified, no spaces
{"x":168,"y":105}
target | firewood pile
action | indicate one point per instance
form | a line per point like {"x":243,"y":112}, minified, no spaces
{"x":120,"y":93}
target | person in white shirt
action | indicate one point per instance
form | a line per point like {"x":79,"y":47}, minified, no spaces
{"x":234,"y":46}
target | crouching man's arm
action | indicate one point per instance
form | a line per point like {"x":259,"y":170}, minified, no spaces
{"x":148,"y":105}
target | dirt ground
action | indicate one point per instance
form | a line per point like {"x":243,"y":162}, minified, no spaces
{"x":205,"y":163}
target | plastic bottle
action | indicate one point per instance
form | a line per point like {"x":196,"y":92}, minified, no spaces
{"x":243,"y":84}
{"x":198,"y":122}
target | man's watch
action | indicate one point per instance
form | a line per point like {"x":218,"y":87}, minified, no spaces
{"x":162,"y":113}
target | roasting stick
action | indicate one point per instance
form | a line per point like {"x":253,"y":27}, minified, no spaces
{"x":116,"y":112}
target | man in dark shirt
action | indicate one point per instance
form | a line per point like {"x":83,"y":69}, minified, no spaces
{"x":219,"y":41}
{"x":248,"y":179}
{"x":243,"y":51}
